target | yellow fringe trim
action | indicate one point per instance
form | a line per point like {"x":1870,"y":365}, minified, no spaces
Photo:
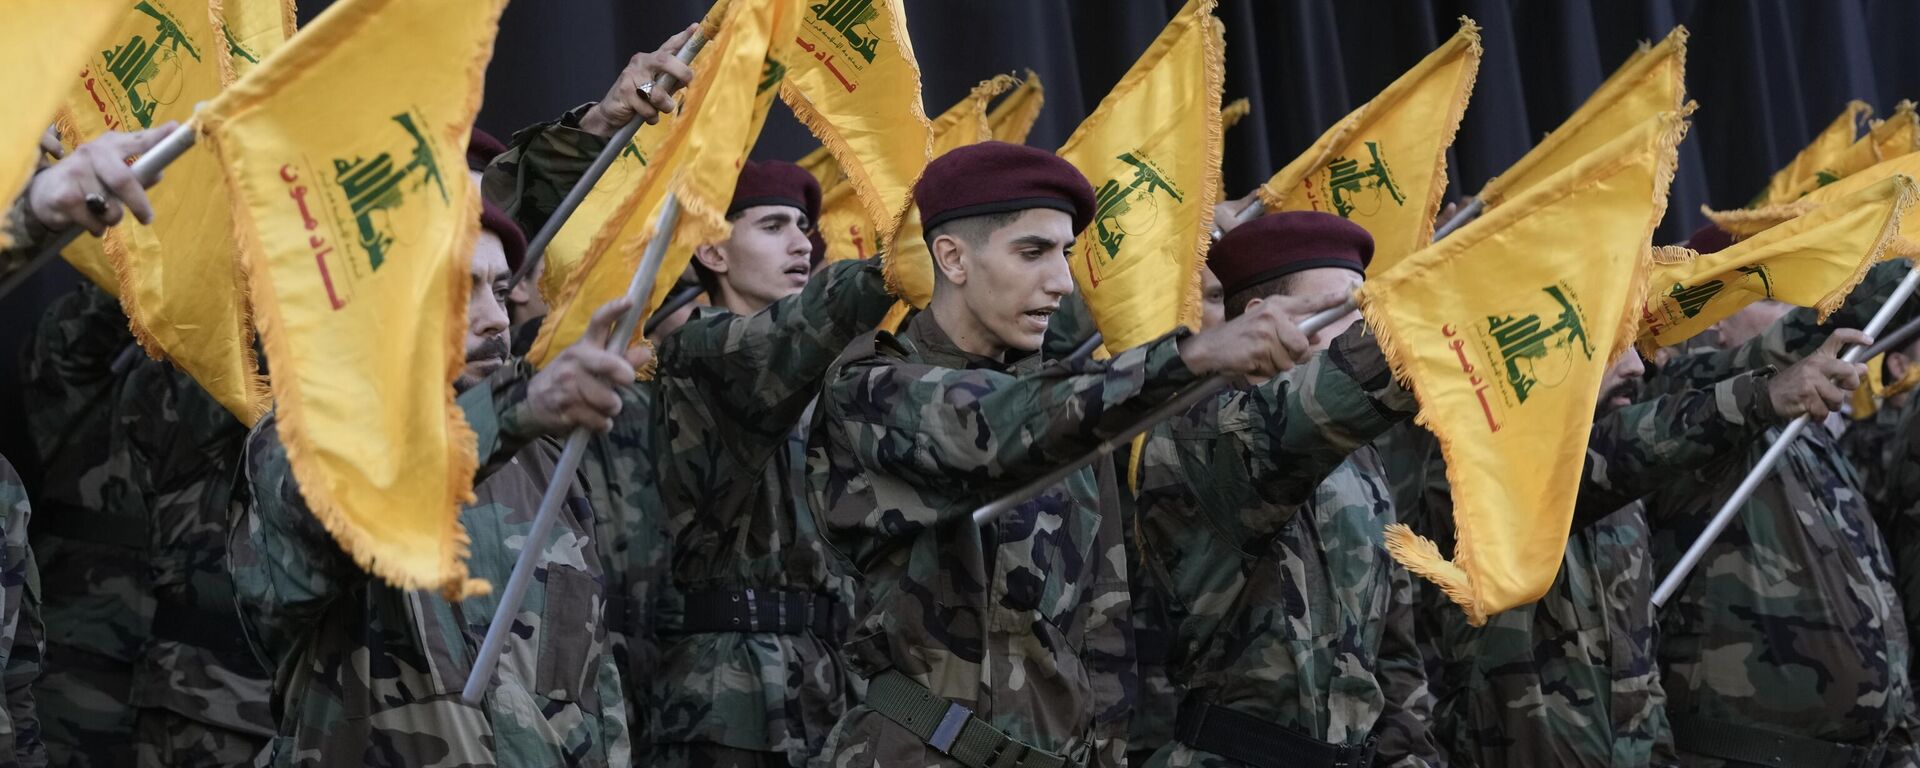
{"x":1422,"y":558}
{"x":1028,"y":110}
{"x":1743,"y":223}
{"x":1233,"y":113}
{"x":222,"y":54}
{"x":1889,"y":232}
{"x":1463,"y":92}
{"x":1213,"y":41}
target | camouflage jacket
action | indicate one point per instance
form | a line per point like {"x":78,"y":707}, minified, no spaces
{"x":1286,"y":605}
{"x":1581,"y":658}
{"x":1023,"y":620}
{"x":1900,"y":489}
{"x":1791,"y":622}
{"x":23,"y":234}
{"x":20,"y":629}
{"x":369,"y":674}
{"x":540,"y":167}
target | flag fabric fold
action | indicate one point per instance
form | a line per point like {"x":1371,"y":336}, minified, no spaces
{"x":1384,"y":166}
{"x":1152,"y":152}
{"x":1814,"y":166}
{"x":180,"y":279}
{"x":359,"y":220}
{"x":1503,"y":330}
{"x":1012,"y":119}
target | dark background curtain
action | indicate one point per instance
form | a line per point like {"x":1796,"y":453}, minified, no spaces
{"x":1767,"y":75}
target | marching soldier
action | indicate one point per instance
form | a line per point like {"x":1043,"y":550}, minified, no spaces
{"x":1264,"y":514}
{"x":1005,"y":643}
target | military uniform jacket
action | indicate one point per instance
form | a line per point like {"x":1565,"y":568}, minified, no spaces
{"x":367,"y":674}
{"x":1288,"y":607}
{"x":1571,"y":679}
{"x":1791,"y":622}
{"x":1022,"y":620}
{"x":21,"y":633}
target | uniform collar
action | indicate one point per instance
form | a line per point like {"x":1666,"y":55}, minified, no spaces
{"x":937,"y":348}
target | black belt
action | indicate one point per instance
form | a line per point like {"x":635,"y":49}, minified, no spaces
{"x":1760,"y":746}
{"x":1256,"y":742}
{"x":952,"y":729}
{"x":774,"y":611}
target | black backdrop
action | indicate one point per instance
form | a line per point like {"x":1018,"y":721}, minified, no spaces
{"x":1767,"y":74}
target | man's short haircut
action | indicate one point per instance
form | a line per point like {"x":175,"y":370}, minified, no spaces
{"x":710,"y":282}
{"x":1279,"y":286}
{"x":975,"y":231}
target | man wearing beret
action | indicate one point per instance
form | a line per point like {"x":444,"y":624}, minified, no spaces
{"x":733,"y":610}
{"x":1005,"y":643}
{"x":1262,"y":512}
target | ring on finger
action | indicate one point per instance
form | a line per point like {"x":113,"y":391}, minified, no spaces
{"x":644,"y":89}
{"x":96,"y":204}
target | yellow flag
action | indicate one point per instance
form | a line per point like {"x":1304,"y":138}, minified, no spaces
{"x":1504,"y":329}
{"x":1866,"y":399}
{"x":255,"y":29}
{"x":1013,"y":117}
{"x":47,"y":41}
{"x":852,"y":79}
{"x":1812,"y":261}
{"x":1653,"y":80}
{"x":1747,"y":222}
{"x":1813,"y":167}
{"x":698,"y":163}
{"x":1234,"y":112}
{"x":1384,"y":166}
{"x":350,"y":188}
{"x":1152,"y":151}
{"x":178,"y":280}
{"x":1897,"y":135}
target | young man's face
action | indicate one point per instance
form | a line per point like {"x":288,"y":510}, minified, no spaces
{"x":1013,"y":281}
{"x":486,"y":338}
{"x":765,"y":259}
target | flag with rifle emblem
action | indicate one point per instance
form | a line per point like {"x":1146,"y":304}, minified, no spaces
{"x":38,"y":66}
{"x":698,"y":163}
{"x":178,"y":280}
{"x":1384,"y":166}
{"x":1815,"y":166}
{"x":1152,"y":151}
{"x":1653,"y":80}
{"x":255,"y":29}
{"x":852,"y":79}
{"x":1503,"y":331}
{"x":359,"y":221}
{"x":1813,"y":260}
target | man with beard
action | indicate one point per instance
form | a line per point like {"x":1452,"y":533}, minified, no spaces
{"x":369,"y":674}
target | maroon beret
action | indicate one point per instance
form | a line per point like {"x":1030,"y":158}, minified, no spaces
{"x":772,"y":182}
{"x":996,"y":177}
{"x":482,"y":148}
{"x":1709,"y":239}
{"x":1283,"y":243}
{"x":494,"y":220}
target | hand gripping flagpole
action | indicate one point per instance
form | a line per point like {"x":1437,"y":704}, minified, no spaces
{"x":1466,"y":213}
{"x":537,"y":249}
{"x":1724,"y":517}
{"x":638,"y":291}
{"x":1178,"y":405}
{"x":147,"y":169}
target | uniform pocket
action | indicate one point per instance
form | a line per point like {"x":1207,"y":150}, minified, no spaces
{"x":568,"y":632}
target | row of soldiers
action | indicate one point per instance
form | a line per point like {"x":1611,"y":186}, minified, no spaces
{"x":768,"y":556}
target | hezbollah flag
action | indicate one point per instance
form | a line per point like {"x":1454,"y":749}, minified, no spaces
{"x":255,"y":29}
{"x":1384,"y":166}
{"x":1653,"y":80}
{"x":1813,"y":167}
{"x":178,"y":280}
{"x":1897,"y":135}
{"x":1152,"y":151}
{"x":1503,"y":330}
{"x":49,"y":39}
{"x":359,"y":220}
{"x":1012,"y":119}
{"x":698,"y":163}
{"x":852,"y":79}
{"x":1747,"y":222}
{"x":1814,"y":260}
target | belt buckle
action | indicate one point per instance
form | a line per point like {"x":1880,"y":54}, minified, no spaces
{"x":948,"y":731}
{"x":1356,"y":755}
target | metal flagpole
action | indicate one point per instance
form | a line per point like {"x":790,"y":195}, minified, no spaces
{"x":674,"y":302}
{"x":1468,"y":212}
{"x":638,"y":292}
{"x":537,"y":249}
{"x":1178,"y":405}
{"x":147,"y":169}
{"x":1896,"y":338}
{"x":1724,"y":517}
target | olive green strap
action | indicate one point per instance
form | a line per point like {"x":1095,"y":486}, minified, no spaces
{"x":950,"y":728}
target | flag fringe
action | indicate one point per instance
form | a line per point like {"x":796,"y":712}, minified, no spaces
{"x":1213,"y":45}
{"x":1024,"y":112}
{"x":223,"y":54}
{"x":1904,"y":197}
{"x":1463,"y":92}
{"x":1633,"y":314}
{"x":1743,"y":223}
{"x":1234,"y":112}
{"x":1422,"y":558}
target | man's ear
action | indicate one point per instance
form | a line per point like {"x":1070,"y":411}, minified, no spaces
{"x":711,"y":256}
{"x":949,"y":258}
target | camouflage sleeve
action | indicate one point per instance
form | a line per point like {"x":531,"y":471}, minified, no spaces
{"x":984,"y":430}
{"x":497,"y":411}
{"x":759,"y":372}
{"x":23,"y":641}
{"x":1793,"y":337}
{"x":1634,"y":450}
{"x":286,"y":568}
{"x":1108,"y":652}
{"x":24,"y":236}
{"x":1069,"y":327}
{"x":1404,"y":728}
{"x":1903,"y":741}
{"x":540,"y":166}
{"x":72,"y":360}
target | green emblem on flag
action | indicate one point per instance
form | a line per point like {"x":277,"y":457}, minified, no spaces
{"x":1362,"y":188}
{"x":149,"y":71}
{"x":374,"y":184}
{"x":1533,"y":352}
{"x":1133,"y":208}
{"x":851,"y":19}
{"x":1692,"y":299}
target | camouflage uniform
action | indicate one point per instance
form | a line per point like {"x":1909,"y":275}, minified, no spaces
{"x":1790,"y":625}
{"x":711,"y":440}
{"x":1288,"y":610}
{"x":170,"y":456}
{"x":21,"y":634}
{"x":1025,"y":621}
{"x":1571,"y":679}
{"x":24,"y":234}
{"x":367,"y":674}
